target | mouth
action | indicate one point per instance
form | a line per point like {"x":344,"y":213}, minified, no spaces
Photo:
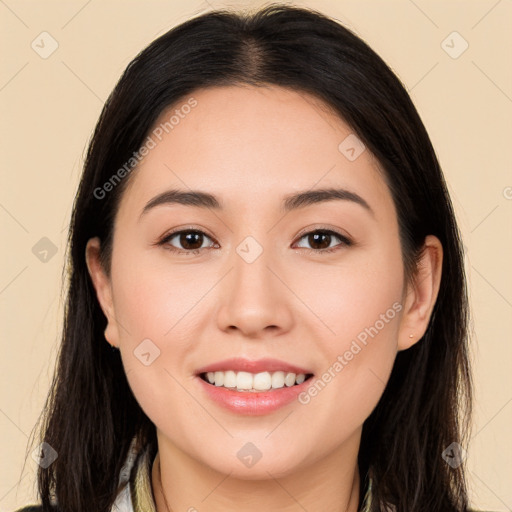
{"x":247,"y":382}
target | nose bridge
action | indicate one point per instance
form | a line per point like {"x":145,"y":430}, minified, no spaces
{"x":252,"y":278}
{"x":253,"y":298}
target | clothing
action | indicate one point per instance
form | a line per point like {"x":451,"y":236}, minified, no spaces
{"x":137,"y":495}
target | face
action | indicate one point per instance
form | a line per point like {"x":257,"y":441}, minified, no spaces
{"x":316,"y":284}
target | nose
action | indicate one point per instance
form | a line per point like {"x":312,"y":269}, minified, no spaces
{"x":254,"y":299}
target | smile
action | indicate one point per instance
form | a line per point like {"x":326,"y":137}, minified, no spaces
{"x":254,"y":382}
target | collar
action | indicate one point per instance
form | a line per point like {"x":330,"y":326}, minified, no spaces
{"x":136,"y":493}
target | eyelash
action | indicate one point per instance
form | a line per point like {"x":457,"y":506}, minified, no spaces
{"x":345,"y":242}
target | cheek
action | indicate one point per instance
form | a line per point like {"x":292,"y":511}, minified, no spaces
{"x":158,"y":309}
{"x":354,"y":295}
{"x":154,"y":298}
{"x":160,"y":306}
{"x":360,"y":304}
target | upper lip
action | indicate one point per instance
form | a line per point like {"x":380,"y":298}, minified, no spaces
{"x":240,"y":364}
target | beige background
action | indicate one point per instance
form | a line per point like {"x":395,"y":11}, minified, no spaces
{"x":49,"y":108}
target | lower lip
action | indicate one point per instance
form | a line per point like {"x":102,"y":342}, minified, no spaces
{"x":253,"y":403}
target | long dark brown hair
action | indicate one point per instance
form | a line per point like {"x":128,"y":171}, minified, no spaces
{"x":91,"y":415}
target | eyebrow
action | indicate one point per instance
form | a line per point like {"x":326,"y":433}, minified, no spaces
{"x":294,"y":201}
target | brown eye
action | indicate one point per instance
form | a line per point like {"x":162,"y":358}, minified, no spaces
{"x":321,"y":240}
{"x":190,"y":241}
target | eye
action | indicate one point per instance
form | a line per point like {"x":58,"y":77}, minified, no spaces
{"x":324,"y":239}
{"x":191,"y":241}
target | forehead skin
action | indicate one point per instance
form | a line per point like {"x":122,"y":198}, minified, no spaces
{"x":252,"y":145}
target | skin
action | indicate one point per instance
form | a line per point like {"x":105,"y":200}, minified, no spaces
{"x":251,"y":147}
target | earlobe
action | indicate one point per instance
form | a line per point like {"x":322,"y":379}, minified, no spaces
{"x":102,"y":285}
{"x":421,"y":294}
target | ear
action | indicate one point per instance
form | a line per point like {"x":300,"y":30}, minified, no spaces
{"x":103,"y":288}
{"x":421,"y":294}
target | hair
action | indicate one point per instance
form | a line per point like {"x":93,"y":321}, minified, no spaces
{"x":91,"y":415}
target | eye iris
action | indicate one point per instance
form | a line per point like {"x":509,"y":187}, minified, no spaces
{"x":315,"y":237}
{"x":189,"y":237}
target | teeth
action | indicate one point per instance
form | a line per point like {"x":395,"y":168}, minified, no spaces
{"x":300,"y":378}
{"x":245,"y":381}
{"x":229,"y":379}
{"x":219,"y":378}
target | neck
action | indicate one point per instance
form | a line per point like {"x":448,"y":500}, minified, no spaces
{"x":183,"y":483}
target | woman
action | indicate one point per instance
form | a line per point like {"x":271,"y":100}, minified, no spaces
{"x":263,"y":235}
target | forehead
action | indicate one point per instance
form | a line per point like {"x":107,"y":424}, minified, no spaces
{"x":252,"y":145}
